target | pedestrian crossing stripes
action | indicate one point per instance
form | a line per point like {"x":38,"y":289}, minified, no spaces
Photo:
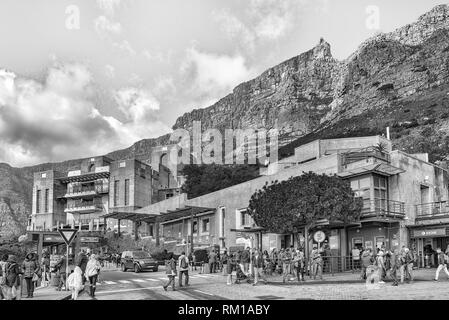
{"x":138,"y":280}
{"x":145,"y":280}
{"x":124,"y":281}
{"x":150,"y":279}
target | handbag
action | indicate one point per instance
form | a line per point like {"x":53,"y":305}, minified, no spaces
{"x":35,"y":277}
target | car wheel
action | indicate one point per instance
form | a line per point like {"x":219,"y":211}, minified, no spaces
{"x":123,"y":267}
{"x":155,"y":269}
{"x":136,"y":268}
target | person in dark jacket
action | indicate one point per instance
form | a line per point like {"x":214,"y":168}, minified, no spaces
{"x":395,"y":263}
{"x":170,"y":267}
{"x":258,"y":268}
{"x":441,"y":264}
{"x":82,"y":263}
{"x":224,"y":261}
{"x":212,"y":261}
{"x":367,"y":260}
{"x":246,"y":259}
{"x":13,"y":278}
{"x":30,"y":268}
{"x":61,"y":266}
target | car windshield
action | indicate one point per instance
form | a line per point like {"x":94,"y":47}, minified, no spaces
{"x":141,"y":255}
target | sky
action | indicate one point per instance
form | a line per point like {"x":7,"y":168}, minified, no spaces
{"x":81,"y":78}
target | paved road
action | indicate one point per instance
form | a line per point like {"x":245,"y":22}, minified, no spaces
{"x":117,"y":285}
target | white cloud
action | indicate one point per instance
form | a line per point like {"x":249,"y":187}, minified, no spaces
{"x":58,"y":119}
{"x":110,"y":71}
{"x":125,"y":48}
{"x":108,"y":6}
{"x":105,"y":27}
{"x":212,"y":76}
{"x":158,"y":56}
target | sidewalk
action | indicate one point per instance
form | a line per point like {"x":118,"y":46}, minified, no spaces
{"x":49,"y":293}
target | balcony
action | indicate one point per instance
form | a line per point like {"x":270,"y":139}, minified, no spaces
{"x":432,"y":210}
{"x":381,"y":209}
{"x":86,"y":191}
{"x":78,"y":176}
{"x":80,"y":206}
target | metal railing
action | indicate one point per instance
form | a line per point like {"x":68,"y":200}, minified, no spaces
{"x":75,"y":190}
{"x":355,"y":156}
{"x":428,"y":210}
{"x":383,"y":208}
{"x":79,"y":205}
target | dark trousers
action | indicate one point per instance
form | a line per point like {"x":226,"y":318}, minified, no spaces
{"x":93,"y":284}
{"x":393,"y":275}
{"x":186,"y":273}
{"x":62,"y":280}
{"x":212,"y":267}
{"x":171,"y":280}
{"x":30,"y":286}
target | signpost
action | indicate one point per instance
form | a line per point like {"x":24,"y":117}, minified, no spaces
{"x":67,"y":235}
{"x":319,"y":237}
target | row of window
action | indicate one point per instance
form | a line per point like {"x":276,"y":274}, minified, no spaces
{"x":38,"y":200}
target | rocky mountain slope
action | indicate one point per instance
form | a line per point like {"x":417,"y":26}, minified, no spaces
{"x":399,"y":79}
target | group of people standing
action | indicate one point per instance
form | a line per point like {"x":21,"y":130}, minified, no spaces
{"x":376,"y":266}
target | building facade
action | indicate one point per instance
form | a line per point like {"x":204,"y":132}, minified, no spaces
{"x":401,"y":194}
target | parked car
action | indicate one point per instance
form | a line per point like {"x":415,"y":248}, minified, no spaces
{"x":138,"y":261}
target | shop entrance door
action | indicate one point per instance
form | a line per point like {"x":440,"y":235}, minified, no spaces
{"x":442,"y":243}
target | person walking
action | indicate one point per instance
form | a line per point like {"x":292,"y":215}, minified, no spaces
{"x":355,"y":259}
{"x":212,"y":261}
{"x":3,"y":287}
{"x":183,"y":264}
{"x":286,"y":260}
{"x":380,"y":265}
{"x":82,"y":263}
{"x":395,"y":263}
{"x":75,"y":282}
{"x":93,"y":268}
{"x":170,"y":267}
{"x":317,"y":264}
{"x":441,"y":264}
{"x":30,"y":269}
{"x":13,"y":278}
{"x":45,"y":266}
{"x":224,"y":261}
{"x":245,"y":260}
{"x":258,"y":268}
{"x":410,"y":259}
{"x":231,"y":268}
{"x":366,"y":261}
{"x":61,"y":266}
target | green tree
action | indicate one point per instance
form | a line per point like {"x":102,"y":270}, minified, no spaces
{"x":286,"y":206}
{"x":203,"y":179}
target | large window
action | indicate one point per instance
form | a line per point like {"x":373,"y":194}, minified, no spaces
{"x":205,"y":225}
{"x":126,"y":192}
{"x":38,"y":201}
{"x":380,"y":193}
{"x":47,"y":193}
{"x":244,"y":218}
{"x":116,"y":192}
{"x":362,"y":188}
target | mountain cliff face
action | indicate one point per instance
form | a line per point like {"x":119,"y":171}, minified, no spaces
{"x":399,"y":79}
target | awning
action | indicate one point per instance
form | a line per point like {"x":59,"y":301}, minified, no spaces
{"x":168,"y":216}
{"x":249,"y":230}
{"x":384,"y":169}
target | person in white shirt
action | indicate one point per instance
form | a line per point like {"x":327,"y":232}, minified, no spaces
{"x":183,"y":265}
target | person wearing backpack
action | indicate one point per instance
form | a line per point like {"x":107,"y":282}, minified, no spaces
{"x":30,"y":269}
{"x":170,"y":267}
{"x":183,"y":264}
{"x":13,"y":278}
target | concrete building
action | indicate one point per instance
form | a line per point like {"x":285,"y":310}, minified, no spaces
{"x":82,"y":198}
{"x":401,"y":193}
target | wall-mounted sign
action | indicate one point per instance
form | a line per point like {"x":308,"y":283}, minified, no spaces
{"x":89,"y":239}
{"x":429,"y":233}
